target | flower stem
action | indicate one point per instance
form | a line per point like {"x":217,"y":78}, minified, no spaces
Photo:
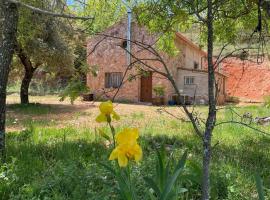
{"x":131,"y":190}
{"x":113,"y":133}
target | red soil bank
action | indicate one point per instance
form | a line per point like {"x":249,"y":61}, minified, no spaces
{"x":246,"y":80}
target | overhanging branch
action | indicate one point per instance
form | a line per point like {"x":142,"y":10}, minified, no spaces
{"x":46,"y":12}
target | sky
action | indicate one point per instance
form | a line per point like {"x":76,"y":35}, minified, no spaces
{"x":69,"y":2}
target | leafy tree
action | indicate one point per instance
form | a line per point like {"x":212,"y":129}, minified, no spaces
{"x":8,"y":29}
{"x":77,"y":84}
{"x":235,"y":27}
{"x":42,"y":41}
{"x":106,"y":14}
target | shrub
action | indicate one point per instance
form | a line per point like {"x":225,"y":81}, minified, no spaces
{"x":159,"y":90}
{"x":74,"y":90}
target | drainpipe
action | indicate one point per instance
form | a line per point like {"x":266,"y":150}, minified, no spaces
{"x":129,"y":13}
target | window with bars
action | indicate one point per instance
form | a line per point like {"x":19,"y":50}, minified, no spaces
{"x":189,"y":80}
{"x":113,"y":80}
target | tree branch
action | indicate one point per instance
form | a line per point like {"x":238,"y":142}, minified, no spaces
{"x":243,"y":124}
{"x":46,"y":12}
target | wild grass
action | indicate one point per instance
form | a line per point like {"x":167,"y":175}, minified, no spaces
{"x":48,"y":161}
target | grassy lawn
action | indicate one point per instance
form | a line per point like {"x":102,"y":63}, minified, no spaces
{"x":53,"y":151}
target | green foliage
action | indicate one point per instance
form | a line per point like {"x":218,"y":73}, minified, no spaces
{"x":164,"y":184}
{"x":48,"y":84}
{"x":126,"y":188}
{"x":166,"y":44}
{"x":159,"y":90}
{"x":236,"y":26}
{"x":52,"y":160}
{"x":259,"y":185}
{"x":94,"y":70}
{"x":77,"y":84}
{"x":165,"y":18}
{"x":234,"y":22}
{"x":106,"y":14}
{"x":75,"y":89}
{"x":45,"y":40}
{"x":8,"y":176}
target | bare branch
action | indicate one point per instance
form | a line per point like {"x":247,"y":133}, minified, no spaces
{"x":46,"y":12}
{"x":244,"y":124}
{"x":166,"y":74}
{"x":163,"y":109}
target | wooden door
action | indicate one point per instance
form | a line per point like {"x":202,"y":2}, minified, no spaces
{"x":146,"y":88}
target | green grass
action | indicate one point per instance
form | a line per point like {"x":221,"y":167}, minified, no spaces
{"x":46,"y":162}
{"x":31,"y":109}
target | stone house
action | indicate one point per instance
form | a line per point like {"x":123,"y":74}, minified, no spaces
{"x":108,"y":57}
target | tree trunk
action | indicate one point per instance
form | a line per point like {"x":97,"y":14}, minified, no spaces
{"x":28,"y":73}
{"x":8,"y":22}
{"x":211,"y":119}
{"x":24,"y":93}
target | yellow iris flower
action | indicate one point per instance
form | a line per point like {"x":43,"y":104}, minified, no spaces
{"x":127,"y":147}
{"x":106,"y":110}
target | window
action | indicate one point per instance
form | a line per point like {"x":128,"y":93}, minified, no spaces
{"x":189,"y":80}
{"x":124,"y":44}
{"x":196,"y":65}
{"x":113,"y":80}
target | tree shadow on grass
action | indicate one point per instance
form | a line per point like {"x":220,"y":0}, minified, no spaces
{"x":67,"y":168}
{"x":232,"y":165}
{"x":251,"y":154}
{"x":55,"y":169}
{"x":44,"y":109}
{"x":19,"y":116}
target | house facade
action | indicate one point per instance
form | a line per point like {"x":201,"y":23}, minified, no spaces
{"x":107,"y":55}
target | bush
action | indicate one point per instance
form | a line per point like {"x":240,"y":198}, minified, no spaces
{"x":75,"y":89}
{"x":159,"y":90}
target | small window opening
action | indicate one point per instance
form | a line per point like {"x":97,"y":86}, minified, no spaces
{"x":124,"y":44}
{"x":196,"y":65}
{"x":189,"y":80}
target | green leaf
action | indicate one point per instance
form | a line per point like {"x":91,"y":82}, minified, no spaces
{"x":123,"y":185}
{"x":104,"y":135}
{"x":153,"y":185}
{"x":182,"y":190}
{"x":172,"y":195}
{"x":74,"y":89}
{"x":160,"y":167}
{"x":151,"y":196}
{"x":259,"y":185}
{"x":109,"y":168}
{"x":170,"y":183}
